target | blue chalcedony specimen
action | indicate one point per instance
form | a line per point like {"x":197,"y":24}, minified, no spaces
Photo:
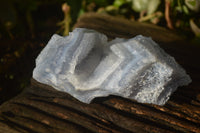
{"x":86,"y":65}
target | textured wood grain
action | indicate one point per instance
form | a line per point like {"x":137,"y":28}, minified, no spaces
{"x":120,"y":27}
{"x":42,"y":109}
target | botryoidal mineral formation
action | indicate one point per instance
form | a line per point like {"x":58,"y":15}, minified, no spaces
{"x":86,"y":65}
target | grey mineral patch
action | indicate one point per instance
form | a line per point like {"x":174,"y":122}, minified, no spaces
{"x":86,"y":65}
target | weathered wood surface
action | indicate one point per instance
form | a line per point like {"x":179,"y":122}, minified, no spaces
{"x":42,"y":109}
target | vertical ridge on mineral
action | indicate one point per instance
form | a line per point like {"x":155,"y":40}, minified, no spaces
{"x":86,"y":65}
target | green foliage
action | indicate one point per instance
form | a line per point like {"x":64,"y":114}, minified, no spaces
{"x":180,"y":13}
{"x":118,"y":3}
{"x":145,"y":5}
{"x":75,"y":9}
{"x":15,"y":14}
{"x":193,"y":5}
{"x":149,"y":6}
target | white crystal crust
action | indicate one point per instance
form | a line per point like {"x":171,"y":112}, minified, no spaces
{"x":86,"y":65}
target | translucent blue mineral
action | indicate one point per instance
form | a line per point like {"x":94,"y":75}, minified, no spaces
{"x":86,"y":65}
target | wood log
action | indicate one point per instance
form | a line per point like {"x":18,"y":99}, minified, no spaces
{"x":42,"y":109}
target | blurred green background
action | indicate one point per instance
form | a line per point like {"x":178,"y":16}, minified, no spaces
{"x":27,"y":25}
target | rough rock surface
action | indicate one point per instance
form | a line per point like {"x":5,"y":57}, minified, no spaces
{"x":86,"y":65}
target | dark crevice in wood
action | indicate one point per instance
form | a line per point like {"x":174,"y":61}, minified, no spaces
{"x":51,"y":128}
{"x":31,"y":122}
{"x":171,"y":116}
{"x":18,"y":127}
{"x":30,"y":94}
{"x":110,"y":125}
{"x":183,"y":98}
{"x":8,"y":114}
{"x":47,"y":91}
{"x":143,"y":119}
{"x":174,"y":108}
{"x":166,"y":105}
{"x":160,"y":113}
{"x":38,"y":122}
{"x":183,"y":95}
{"x":52,"y":116}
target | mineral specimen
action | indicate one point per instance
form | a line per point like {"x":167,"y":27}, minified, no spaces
{"x":86,"y":65}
